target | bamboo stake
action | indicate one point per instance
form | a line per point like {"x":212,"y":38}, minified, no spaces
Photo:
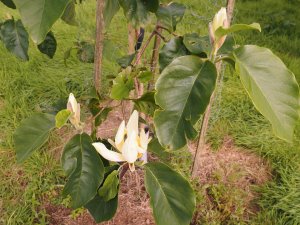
{"x":206,"y":116}
{"x":99,"y":44}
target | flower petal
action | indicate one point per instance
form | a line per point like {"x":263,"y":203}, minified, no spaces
{"x":133,"y":123}
{"x":108,"y":154}
{"x":111,"y":142}
{"x":77,"y":113}
{"x":72,"y":103}
{"x":219,"y":19}
{"x":144,"y":158}
{"x":144,"y":139}
{"x":119,"y":139}
{"x":129,"y":150}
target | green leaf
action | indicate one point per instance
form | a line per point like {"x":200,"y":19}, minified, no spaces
{"x":137,"y":11}
{"x":62,"y":117}
{"x":236,"y":27}
{"x":271,"y":86}
{"x":170,"y":15}
{"x":156,"y":148}
{"x":171,"y":50}
{"x":145,"y":76}
{"x":228,"y":46}
{"x":94,"y":107}
{"x":48,"y":46}
{"x":84,"y":169}
{"x":86,"y":52}
{"x":32,"y":134}
{"x":146,"y":103}
{"x":183,"y":92}
{"x":110,"y":188}
{"x":15,"y":38}
{"x":171,"y":197}
{"x":121,"y":88}
{"x":151,"y":6}
{"x":126,"y":60}
{"x":197,"y":45}
{"x":40,"y":15}
{"x":9,"y":3}
{"x":69,"y":15}
{"x":110,"y":10}
{"x":102,"y":210}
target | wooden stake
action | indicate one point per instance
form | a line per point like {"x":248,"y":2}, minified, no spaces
{"x":99,"y":44}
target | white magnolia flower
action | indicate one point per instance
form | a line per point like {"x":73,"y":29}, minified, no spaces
{"x":220,"y":20}
{"x":74,"y":107}
{"x":128,"y":143}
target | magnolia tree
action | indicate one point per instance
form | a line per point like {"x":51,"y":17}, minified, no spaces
{"x":94,"y":166}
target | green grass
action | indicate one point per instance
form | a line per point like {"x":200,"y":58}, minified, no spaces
{"x":36,"y":85}
{"x":238,"y":118}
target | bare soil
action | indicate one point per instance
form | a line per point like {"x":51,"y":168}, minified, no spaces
{"x":133,"y":206}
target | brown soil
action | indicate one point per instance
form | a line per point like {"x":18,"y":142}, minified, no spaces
{"x":133,"y":206}
{"x":254,"y":169}
{"x":235,"y":167}
{"x":238,"y":171}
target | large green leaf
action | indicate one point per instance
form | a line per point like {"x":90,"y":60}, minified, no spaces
{"x":151,"y":5}
{"x":32,"y":134}
{"x":156,"y":148}
{"x":197,"y":45}
{"x":69,"y":15}
{"x":146,"y":103}
{"x":183,"y":92}
{"x":40,"y":15}
{"x":137,"y":11}
{"x":171,"y":50}
{"x":15,"y":38}
{"x":102,"y":210}
{"x":111,"y":8}
{"x":171,"y":197}
{"x":271,"y":86}
{"x":9,"y":3}
{"x":84,"y":169}
{"x":236,"y":27}
{"x":170,"y":15}
{"x":48,"y":46}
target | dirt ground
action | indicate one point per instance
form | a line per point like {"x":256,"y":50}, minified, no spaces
{"x":134,"y":202}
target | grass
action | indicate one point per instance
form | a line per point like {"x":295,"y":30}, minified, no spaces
{"x":36,"y":85}
{"x":280,"y":198}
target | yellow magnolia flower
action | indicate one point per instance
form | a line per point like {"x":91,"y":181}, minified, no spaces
{"x":220,"y":20}
{"x":74,"y":107}
{"x":128,"y":143}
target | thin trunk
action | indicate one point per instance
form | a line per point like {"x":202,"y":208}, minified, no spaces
{"x":131,"y":39}
{"x":99,"y":44}
{"x":206,"y":116}
{"x":155,"y":57}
